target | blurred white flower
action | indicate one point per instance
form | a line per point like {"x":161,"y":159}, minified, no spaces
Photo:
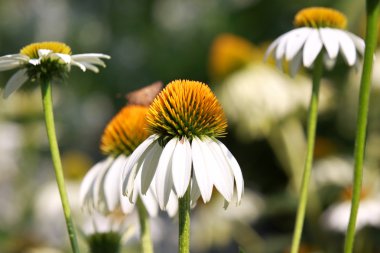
{"x":258,"y":97}
{"x":333,"y":170}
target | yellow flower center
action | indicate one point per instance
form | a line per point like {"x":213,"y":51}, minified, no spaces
{"x":31,"y":50}
{"x":186,"y":109}
{"x":317,"y":17}
{"x":125,"y":131}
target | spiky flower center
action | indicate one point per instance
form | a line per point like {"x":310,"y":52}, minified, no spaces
{"x":31,"y":50}
{"x":318,"y":17}
{"x":186,"y":109}
{"x":125,"y":131}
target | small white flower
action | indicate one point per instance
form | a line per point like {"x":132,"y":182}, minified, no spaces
{"x":337,"y":216}
{"x":321,"y":31}
{"x":34,"y":61}
{"x":186,"y":117}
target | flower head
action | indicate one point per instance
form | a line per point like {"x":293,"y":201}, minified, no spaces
{"x":319,"y":30}
{"x":45,"y":61}
{"x":182,"y":152}
{"x":100,"y":188}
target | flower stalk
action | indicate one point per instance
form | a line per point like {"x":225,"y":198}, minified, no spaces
{"x":146,"y":241}
{"x":46,"y":90}
{"x":373,"y":8}
{"x":311,"y":130}
{"x":184,"y":223}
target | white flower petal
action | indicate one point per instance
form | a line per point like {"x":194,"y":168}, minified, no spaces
{"x":181,"y":166}
{"x":295,"y":42}
{"x":280,"y":50}
{"x":15,"y":82}
{"x":272,"y":46}
{"x":44,"y":52}
{"x":90,"y":57}
{"x":130,"y":170}
{"x":80,"y":65}
{"x":195,"y":193}
{"x":65,"y":57}
{"x":235,"y":170}
{"x":312,"y":48}
{"x":164,"y":181}
{"x":330,"y":41}
{"x":111,"y":185}
{"x":35,"y":62}
{"x":8,"y":65}
{"x":295,"y":64}
{"x":149,"y":166}
{"x":91,"y":67}
{"x":150,"y":203}
{"x":98,"y":192}
{"x":359,"y":43}
{"x":347,"y":46}
{"x":87,"y":185}
{"x":172,"y":206}
{"x":201,"y":172}
{"x":219,"y":168}
{"x":126,"y":205}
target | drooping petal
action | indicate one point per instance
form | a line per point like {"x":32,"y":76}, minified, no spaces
{"x":295,"y":42}
{"x":235,"y":170}
{"x":15,"y":82}
{"x":91,"y":58}
{"x":359,"y":43}
{"x":111,"y":183}
{"x":195,"y":193}
{"x":172,"y":205}
{"x":130,"y":170}
{"x":80,"y":65}
{"x":347,"y":46}
{"x":164,"y":181}
{"x":8,"y":65}
{"x":330,"y":41}
{"x":219,"y":168}
{"x":64,"y":57}
{"x":272,"y":46}
{"x":150,"y":203}
{"x":181,"y":166}
{"x":312,"y":48}
{"x":87,"y":185}
{"x":91,"y":67}
{"x":149,"y":166}
{"x":98,"y":193}
{"x":201,"y":172}
{"x":295,"y":63}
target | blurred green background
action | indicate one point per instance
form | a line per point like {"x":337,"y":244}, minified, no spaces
{"x":166,"y":40}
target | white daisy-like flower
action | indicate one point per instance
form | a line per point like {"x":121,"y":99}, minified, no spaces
{"x":337,"y":216}
{"x":320,"y":30}
{"x":46,"y":60}
{"x":101,"y":187}
{"x":183,"y":153}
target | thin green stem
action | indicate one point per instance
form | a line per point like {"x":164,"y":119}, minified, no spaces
{"x":184,"y":223}
{"x":146,"y":241}
{"x":373,"y":8}
{"x":311,"y":129}
{"x":50,"y":128}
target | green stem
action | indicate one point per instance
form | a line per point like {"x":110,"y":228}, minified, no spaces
{"x":184,"y":223}
{"x":311,"y":129}
{"x":373,"y":8}
{"x":146,"y":241}
{"x":50,"y":128}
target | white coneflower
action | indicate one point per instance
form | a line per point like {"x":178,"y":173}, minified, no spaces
{"x":183,"y":153}
{"x":337,"y":216}
{"x":46,"y":60}
{"x":100,"y":188}
{"x":319,"y":30}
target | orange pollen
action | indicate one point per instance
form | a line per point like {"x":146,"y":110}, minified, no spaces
{"x":347,"y":194}
{"x":186,"y":109}
{"x":125,"y":131}
{"x":318,"y":17}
